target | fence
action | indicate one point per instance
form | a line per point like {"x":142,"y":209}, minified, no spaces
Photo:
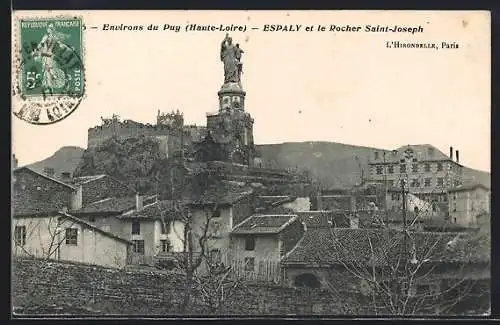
{"x":263,"y":271}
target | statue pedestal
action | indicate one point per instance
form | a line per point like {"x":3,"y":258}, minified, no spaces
{"x":231,"y":96}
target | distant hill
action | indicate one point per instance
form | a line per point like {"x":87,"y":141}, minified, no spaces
{"x":65,"y":159}
{"x":333,"y":164}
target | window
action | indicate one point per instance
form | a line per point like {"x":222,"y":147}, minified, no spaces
{"x":434,"y":207}
{"x":457,"y":182}
{"x":249,"y":244}
{"x":164,"y":227}
{"x":379,"y":170}
{"x":92,"y":218}
{"x":414,"y":160}
{"x":415,"y":209}
{"x":415,"y":183}
{"x":440,"y":181}
{"x":395,"y":196}
{"x":390,"y":169}
{"x":427,"y":167}
{"x":455,"y":220}
{"x":402,"y":168}
{"x":216,"y":213}
{"x":376,"y":155}
{"x":427,"y":182}
{"x":440,"y":167}
{"x":472,"y":206}
{"x":20,"y":235}
{"x":414,"y":168}
{"x":71,"y":236}
{"x":136,"y":227}
{"x":454,"y":207}
{"x":165,"y":245}
{"x":249,"y":264}
{"x":138,"y":246}
{"x":66,"y":175}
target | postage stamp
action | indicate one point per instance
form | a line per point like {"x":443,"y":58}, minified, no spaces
{"x":50,"y":82}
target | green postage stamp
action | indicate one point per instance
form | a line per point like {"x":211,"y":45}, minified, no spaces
{"x":50,"y":81}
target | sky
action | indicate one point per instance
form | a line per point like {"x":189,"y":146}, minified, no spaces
{"x":342,"y":87}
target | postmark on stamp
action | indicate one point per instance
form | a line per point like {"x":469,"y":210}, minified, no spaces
{"x":50,"y":80}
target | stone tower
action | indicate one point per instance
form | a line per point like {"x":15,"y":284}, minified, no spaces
{"x":231,"y":128}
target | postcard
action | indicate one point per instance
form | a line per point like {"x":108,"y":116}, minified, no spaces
{"x":248,"y":163}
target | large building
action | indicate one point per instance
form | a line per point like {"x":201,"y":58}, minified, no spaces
{"x":428,"y":172}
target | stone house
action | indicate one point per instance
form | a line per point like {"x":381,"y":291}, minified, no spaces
{"x":467,"y":202}
{"x":61,"y":236}
{"x":34,"y":193}
{"x":156,"y":229}
{"x":105,"y":214}
{"x":260,"y":241}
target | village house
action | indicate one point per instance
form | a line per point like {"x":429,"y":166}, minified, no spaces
{"x":35,"y":193}
{"x":259,"y":242}
{"x":467,"y":202}
{"x":156,"y":229}
{"x":63,"y":237}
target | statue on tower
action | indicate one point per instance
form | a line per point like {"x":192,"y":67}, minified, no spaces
{"x":230,"y":55}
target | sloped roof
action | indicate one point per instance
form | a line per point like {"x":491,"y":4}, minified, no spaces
{"x":85,"y":179}
{"x":221,"y":193}
{"x":264,"y":224}
{"x":26,"y":168}
{"x":112,"y":205}
{"x":375,"y":246}
{"x":154,"y":211}
{"x":423,"y":152}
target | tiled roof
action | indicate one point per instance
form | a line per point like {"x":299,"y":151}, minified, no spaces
{"x":264,"y":224}
{"x":154,"y":211}
{"x":223,"y":193}
{"x":423,"y":152}
{"x":113,"y":205}
{"x":17,"y":170}
{"x":85,"y":179}
{"x":345,"y":245}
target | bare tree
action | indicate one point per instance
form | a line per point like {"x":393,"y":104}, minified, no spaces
{"x":40,"y":237}
{"x":215,"y":287}
{"x":398,"y":280}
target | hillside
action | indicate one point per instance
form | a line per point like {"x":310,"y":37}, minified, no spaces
{"x":334,"y":164}
{"x":63,"y":160}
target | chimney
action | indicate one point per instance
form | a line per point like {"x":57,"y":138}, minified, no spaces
{"x":139,"y":200}
{"x":451,"y":153}
{"x":457,"y":156}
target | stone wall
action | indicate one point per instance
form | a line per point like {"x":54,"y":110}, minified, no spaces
{"x":98,"y":290}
